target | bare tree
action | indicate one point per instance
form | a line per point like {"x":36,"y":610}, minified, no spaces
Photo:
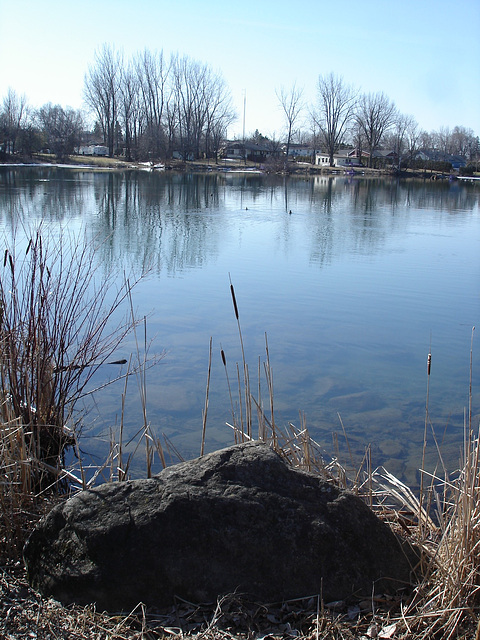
{"x":413,"y":137}
{"x":153,"y":73}
{"x":442,"y":141}
{"x":398,"y":139}
{"x":357,"y":139}
{"x":273,"y":145}
{"x":102,"y":90}
{"x":291,"y":103}
{"x":200,"y":108}
{"x":62,"y":128}
{"x":375,"y":115}
{"x":171,"y":129}
{"x":336,"y":109}
{"x":220,"y":113}
{"x":426,"y":140}
{"x":474,"y":151}
{"x":14,"y":113}
{"x":314,"y":138}
{"x":462,"y":141}
{"x":129,"y":108}
{"x":30,"y":138}
{"x":200,"y":78}
{"x":185,"y":95}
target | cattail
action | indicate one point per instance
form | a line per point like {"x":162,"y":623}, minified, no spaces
{"x":234,"y":301}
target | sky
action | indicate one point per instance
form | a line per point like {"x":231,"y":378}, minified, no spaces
{"x":423,"y":54}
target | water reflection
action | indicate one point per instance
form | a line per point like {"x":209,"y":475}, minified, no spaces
{"x":185,"y":213}
{"x":352,"y":287}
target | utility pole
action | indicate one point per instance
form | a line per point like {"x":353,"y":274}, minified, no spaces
{"x":244,"y":109}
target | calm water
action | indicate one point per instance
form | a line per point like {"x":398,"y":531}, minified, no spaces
{"x":352,"y":289}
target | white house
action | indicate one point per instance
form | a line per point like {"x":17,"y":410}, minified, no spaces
{"x":343,"y":158}
{"x":298,"y":150}
{"x":93,"y":150}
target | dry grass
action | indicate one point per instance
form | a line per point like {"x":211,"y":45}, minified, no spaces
{"x":23,"y":612}
{"x":97,"y":162}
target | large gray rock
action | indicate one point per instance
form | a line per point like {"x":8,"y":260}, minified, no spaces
{"x":237,"y":519}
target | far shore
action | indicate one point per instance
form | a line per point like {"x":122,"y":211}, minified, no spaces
{"x":96,"y":163}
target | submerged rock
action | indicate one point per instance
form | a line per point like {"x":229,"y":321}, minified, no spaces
{"x":239,"y":519}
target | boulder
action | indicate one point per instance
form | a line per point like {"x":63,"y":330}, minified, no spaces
{"x":240,"y":519}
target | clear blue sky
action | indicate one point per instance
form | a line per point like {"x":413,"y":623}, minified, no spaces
{"x":424,"y":54}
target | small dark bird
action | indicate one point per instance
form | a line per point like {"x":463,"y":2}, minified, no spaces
{"x":290,"y":212}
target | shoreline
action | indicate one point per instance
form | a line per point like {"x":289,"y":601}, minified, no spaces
{"x":233,"y":166}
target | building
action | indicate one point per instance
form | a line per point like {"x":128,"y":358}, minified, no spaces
{"x":93,"y":150}
{"x":431,"y":155}
{"x":343,"y":158}
{"x":252,"y":151}
{"x":298,"y":151}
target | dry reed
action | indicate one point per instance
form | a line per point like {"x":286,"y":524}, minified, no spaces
{"x":58,"y":326}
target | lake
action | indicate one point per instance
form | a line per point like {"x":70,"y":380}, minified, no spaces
{"x":352,"y":279}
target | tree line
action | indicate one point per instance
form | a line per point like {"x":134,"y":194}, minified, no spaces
{"x":343,"y":116}
{"x":145,"y":107}
{"x":148,"y":107}
{"x":154,"y":107}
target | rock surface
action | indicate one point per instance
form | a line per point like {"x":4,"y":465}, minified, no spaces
{"x":239,"y":519}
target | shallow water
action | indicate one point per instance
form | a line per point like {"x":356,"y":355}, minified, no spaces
{"x":353,"y":288}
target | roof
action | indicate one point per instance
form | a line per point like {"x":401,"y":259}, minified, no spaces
{"x":344,"y":153}
{"x":439,"y":156}
{"x":249,"y":146}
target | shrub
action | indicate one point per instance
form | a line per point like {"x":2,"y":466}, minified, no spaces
{"x":57,"y":328}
